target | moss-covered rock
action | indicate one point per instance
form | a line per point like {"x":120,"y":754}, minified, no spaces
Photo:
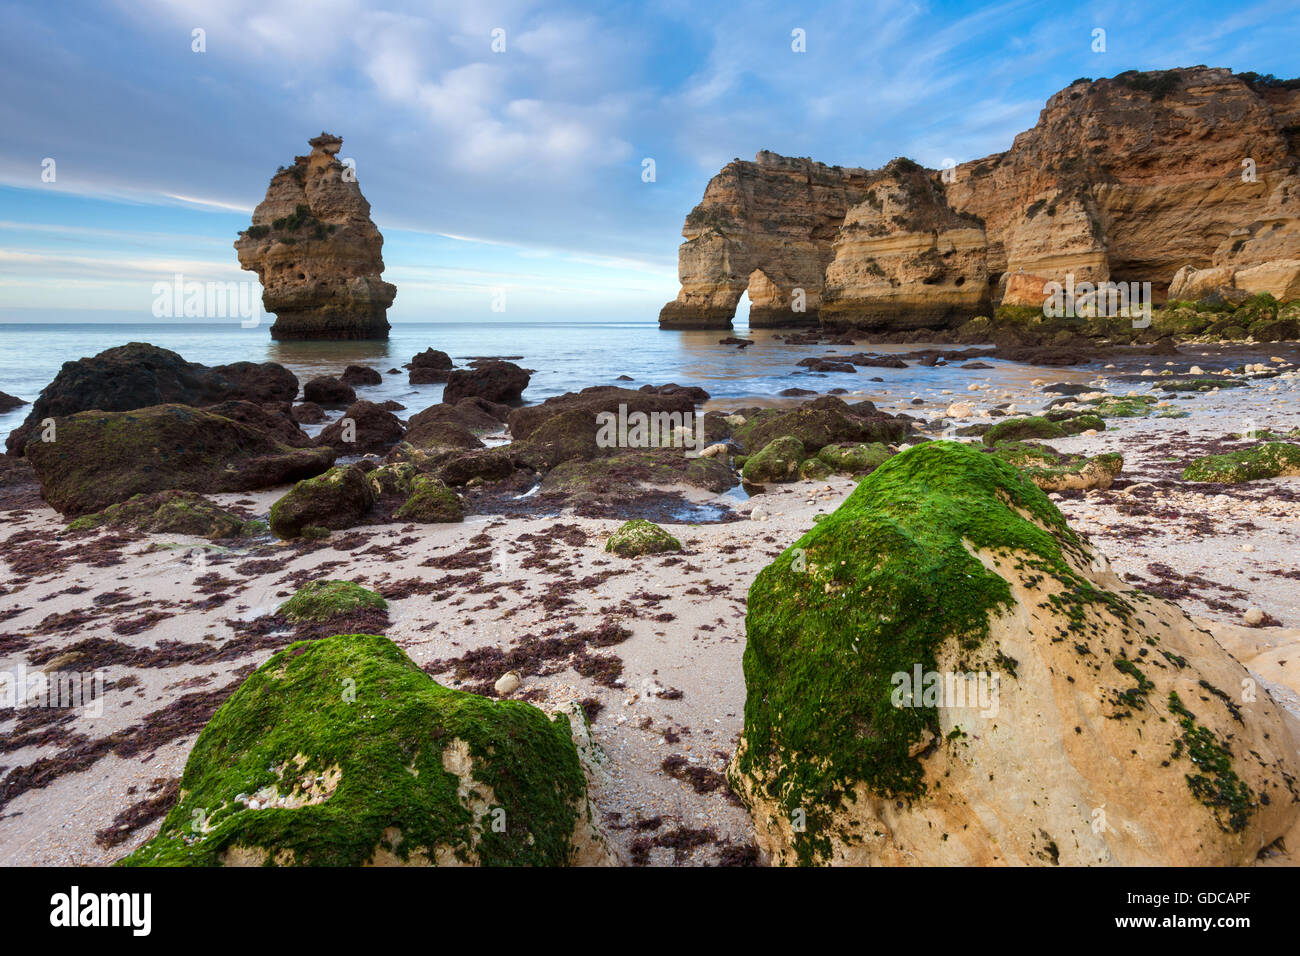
{"x":1200,"y":384}
{"x":342,"y":752}
{"x":814,"y":469}
{"x":638,"y":537}
{"x":393,"y":479}
{"x":1052,"y":471}
{"x":1125,"y":406}
{"x":778,"y":460}
{"x":860,"y":459}
{"x":337,"y":499}
{"x":97,"y":459}
{"x":1273,"y":459}
{"x":946,"y":562}
{"x":431,"y":502}
{"x":818,"y":423}
{"x":1040,"y":427}
{"x":323,"y":600}
{"x":171,"y":512}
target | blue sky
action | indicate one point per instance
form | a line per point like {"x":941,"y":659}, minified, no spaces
{"x":519,"y":170}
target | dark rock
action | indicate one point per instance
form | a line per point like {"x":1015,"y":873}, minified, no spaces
{"x":308,"y":413}
{"x":360,"y":375}
{"x":431,"y":358}
{"x":337,"y":499}
{"x":328,"y":392}
{"x":795,"y":392}
{"x":487,"y":464}
{"x":502,"y":382}
{"x":276,"y":420}
{"x":373,"y":429}
{"x":139,"y":375}
{"x":693,"y":392}
{"x":102,"y":458}
{"x":427,"y":376}
{"x":9,"y":402}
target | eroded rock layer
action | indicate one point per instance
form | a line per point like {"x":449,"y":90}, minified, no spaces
{"x":316,"y":251}
{"x":1128,"y":179}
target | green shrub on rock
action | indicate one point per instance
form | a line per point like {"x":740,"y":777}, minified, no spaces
{"x":342,"y":752}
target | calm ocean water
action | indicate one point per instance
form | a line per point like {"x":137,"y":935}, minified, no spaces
{"x":563,"y":357}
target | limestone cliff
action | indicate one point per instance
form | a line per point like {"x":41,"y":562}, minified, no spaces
{"x":316,"y":251}
{"x":765,"y":227}
{"x":1128,"y":179}
{"x":904,"y":258}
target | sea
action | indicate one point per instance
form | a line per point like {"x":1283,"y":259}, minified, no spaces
{"x":561,"y":356}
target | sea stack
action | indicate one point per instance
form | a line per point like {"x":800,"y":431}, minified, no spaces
{"x":317,"y":252}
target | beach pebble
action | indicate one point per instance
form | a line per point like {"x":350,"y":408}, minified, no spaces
{"x":1247,"y":548}
{"x":507,"y":683}
{"x":960,"y":410}
{"x":713,"y":451}
{"x":1254,"y":616}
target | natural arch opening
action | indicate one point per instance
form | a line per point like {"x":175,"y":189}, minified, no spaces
{"x":741,"y":320}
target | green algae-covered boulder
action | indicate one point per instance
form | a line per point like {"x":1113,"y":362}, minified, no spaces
{"x":337,"y":499}
{"x":1273,"y":459}
{"x":171,"y":512}
{"x":431,"y":502}
{"x":638,"y":537}
{"x":779,"y":460}
{"x":1201,"y":384}
{"x":941,"y":672}
{"x":814,"y":469}
{"x":342,"y":752}
{"x":323,"y":600}
{"x":855,"y":459}
{"x":97,"y":459}
{"x":820,"y":422}
{"x":394,"y":478}
{"x":1052,"y":471}
{"x":1035,"y":426}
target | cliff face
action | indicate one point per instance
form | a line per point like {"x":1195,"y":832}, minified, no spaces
{"x":1129,"y":179}
{"x":904,"y":258}
{"x":766,"y":227}
{"x":317,"y":253}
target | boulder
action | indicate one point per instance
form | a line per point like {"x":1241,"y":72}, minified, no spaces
{"x":852,"y":459}
{"x":360,"y":375}
{"x":433,"y":428}
{"x":779,"y":460}
{"x":942,"y":672}
{"x":1052,"y":471}
{"x":431,"y":502}
{"x":323,"y":600}
{"x":1272,"y":459}
{"x":431,"y":358}
{"x":823,"y":421}
{"x":339,"y":498}
{"x":639,"y":537}
{"x":502,"y":382}
{"x":397,"y":771}
{"x":277,"y":420}
{"x":328,"y":392}
{"x":102,"y":458}
{"x":171,"y":512}
{"x":308,"y":413}
{"x":139,"y":375}
{"x":9,"y":402}
{"x":487,"y":464}
{"x":424,"y":375}
{"x":369,"y":427}
{"x":592,"y":401}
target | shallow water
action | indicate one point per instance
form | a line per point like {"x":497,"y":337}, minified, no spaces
{"x":563,"y":357}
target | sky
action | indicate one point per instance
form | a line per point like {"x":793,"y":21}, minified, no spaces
{"x":513,"y":177}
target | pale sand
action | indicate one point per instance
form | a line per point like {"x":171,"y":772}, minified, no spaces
{"x":698,"y":652}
